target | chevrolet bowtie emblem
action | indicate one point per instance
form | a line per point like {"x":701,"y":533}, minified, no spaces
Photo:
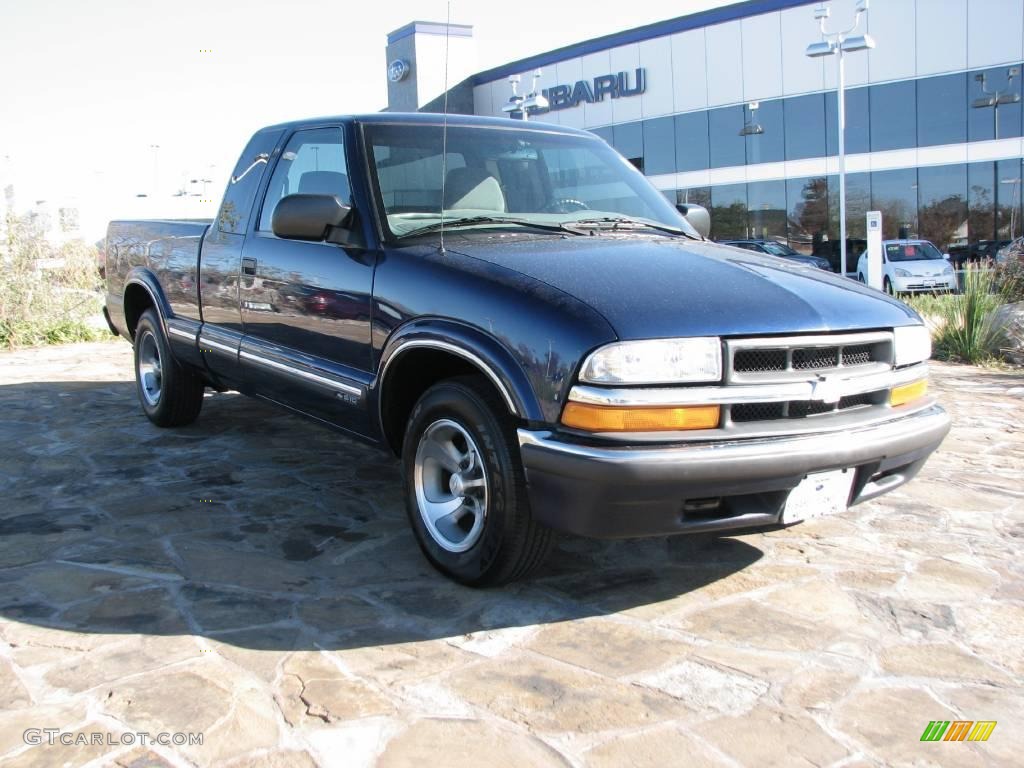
{"x":825,"y":389}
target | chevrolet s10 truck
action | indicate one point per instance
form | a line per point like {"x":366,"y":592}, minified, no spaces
{"x":568,"y":354}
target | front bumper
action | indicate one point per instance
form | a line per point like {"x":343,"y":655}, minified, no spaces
{"x":916,"y":284}
{"x":621,"y":492}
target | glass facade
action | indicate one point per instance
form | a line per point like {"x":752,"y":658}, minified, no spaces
{"x":951,"y":205}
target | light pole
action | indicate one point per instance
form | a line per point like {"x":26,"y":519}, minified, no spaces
{"x":532,"y":102}
{"x":841,"y":43}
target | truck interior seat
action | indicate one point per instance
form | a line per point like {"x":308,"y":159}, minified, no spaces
{"x":325,"y":183}
{"x":473,"y":188}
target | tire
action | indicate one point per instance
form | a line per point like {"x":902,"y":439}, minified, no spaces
{"x":493,"y":539}
{"x":860,"y":278}
{"x":887,"y":286}
{"x":171,"y":394}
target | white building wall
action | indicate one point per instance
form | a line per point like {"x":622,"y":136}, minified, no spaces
{"x":724,"y":53}
{"x":942,"y":32}
{"x":995,"y":32}
{"x":893,"y":25}
{"x":762,"y":56}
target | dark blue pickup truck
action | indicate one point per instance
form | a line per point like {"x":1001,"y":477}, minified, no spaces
{"x":544,"y":341}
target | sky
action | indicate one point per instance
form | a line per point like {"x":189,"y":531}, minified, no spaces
{"x":87,"y":87}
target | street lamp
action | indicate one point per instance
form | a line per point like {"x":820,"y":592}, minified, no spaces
{"x":841,"y":43}
{"x":524,"y":105}
{"x":751,"y":127}
{"x":994,"y":98}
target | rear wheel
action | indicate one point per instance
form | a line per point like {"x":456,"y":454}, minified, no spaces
{"x":466,"y":488}
{"x":887,"y":284}
{"x":170,"y":393}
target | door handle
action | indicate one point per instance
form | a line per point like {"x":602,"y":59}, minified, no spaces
{"x":248,"y":266}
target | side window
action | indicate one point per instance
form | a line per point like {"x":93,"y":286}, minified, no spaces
{"x":233,"y":216}
{"x":313,"y":162}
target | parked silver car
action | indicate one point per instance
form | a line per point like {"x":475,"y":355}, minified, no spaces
{"x":911,"y":266}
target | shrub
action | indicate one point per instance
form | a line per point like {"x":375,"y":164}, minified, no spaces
{"x":46,"y":306}
{"x":1010,"y":277}
{"x":963,"y":324}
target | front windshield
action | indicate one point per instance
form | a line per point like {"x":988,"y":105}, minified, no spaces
{"x":911,"y":251}
{"x":527,"y":174}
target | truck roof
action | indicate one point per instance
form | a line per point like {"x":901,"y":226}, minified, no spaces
{"x":429,"y":118}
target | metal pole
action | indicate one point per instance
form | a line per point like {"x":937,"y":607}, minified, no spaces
{"x":841,"y":92}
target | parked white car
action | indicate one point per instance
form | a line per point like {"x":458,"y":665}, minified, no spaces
{"x":911,"y":266}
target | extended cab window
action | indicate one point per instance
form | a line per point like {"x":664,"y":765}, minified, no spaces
{"x":312,"y":163}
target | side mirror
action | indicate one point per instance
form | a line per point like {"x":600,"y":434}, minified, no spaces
{"x":698,"y":217}
{"x":309,"y":217}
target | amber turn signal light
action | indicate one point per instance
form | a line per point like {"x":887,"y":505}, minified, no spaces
{"x":600,"y":418}
{"x":908,"y":392}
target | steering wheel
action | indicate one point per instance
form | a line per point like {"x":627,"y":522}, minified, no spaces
{"x":560,"y":205}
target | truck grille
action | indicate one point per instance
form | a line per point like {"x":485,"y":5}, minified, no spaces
{"x":782,"y":359}
{"x":800,"y":409}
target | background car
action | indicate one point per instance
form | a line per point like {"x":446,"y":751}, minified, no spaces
{"x":773,"y":248}
{"x":1013,"y":248}
{"x":911,"y":266}
{"x":975,"y":253}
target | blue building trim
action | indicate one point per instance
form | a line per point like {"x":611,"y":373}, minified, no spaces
{"x":657,"y":29}
{"x":430,"y":28}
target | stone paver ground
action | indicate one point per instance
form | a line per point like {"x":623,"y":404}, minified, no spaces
{"x":252,"y":577}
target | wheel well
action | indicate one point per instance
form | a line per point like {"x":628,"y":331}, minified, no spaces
{"x":136,"y":301}
{"x":409,"y":376}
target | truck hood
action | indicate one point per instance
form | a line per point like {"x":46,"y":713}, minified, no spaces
{"x":655,"y":287}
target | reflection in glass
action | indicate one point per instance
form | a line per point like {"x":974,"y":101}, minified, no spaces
{"x":1008,"y":199}
{"x":807,"y":213}
{"x":698,"y":195}
{"x":994,"y":104}
{"x":858,"y":203}
{"x":942,"y":110}
{"x":692,"y":141}
{"x":894,"y":193}
{"x":726,"y":142}
{"x":981,"y":220}
{"x":805,"y":126}
{"x":766,"y":203}
{"x":728,"y":211}
{"x":893,"y":116}
{"x":763,"y":131}
{"x":942,"y":205}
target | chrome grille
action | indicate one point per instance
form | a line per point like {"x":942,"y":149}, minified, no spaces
{"x":800,"y":409}
{"x":795,"y":358}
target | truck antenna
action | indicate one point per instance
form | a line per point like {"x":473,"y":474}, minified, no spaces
{"x":444,"y":129}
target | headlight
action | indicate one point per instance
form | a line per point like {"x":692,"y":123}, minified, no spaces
{"x":948,"y":270}
{"x":656,"y":361}
{"x":902,"y":273}
{"x":913,"y":344}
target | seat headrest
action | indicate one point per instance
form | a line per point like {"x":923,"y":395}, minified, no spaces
{"x":324,"y":183}
{"x":473,"y":188}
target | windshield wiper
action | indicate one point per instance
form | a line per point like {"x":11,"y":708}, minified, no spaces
{"x":623,"y":222}
{"x":475,"y":220}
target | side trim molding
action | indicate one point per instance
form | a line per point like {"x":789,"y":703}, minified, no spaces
{"x":259,"y":360}
{"x":204,"y":343}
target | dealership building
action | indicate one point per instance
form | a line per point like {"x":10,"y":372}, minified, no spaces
{"x":724,"y":108}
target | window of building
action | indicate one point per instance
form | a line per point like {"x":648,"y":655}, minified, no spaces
{"x":698,"y":195}
{"x":1008,"y":199}
{"x":858,"y":203}
{"x":981,"y":220}
{"x":858,"y":123}
{"x":726,"y":142}
{"x":942,"y":205}
{"x":807,"y":213}
{"x":805,"y":126}
{"x":628,"y":138}
{"x":984,"y":119}
{"x":605,"y":133}
{"x":766,"y":210}
{"x":893,"y":116}
{"x":313,"y":162}
{"x":692,"y":141}
{"x":728,"y":211}
{"x":894,"y":193}
{"x":659,"y":137}
{"x":942,"y":110}
{"x":764,"y":132}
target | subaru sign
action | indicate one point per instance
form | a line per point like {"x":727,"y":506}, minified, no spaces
{"x":398,"y":70}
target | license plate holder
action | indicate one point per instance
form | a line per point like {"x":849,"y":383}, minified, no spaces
{"x":818,"y":495}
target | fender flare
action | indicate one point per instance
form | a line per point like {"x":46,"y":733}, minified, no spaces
{"x":145,"y":278}
{"x":485,"y":352}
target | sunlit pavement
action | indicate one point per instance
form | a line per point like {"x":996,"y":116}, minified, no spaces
{"x":252,"y":578}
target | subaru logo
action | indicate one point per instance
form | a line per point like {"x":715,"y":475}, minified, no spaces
{"x":398,"y":70}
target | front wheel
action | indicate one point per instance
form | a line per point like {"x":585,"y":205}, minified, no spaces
{"x":466,"y":489}
{"x":170,"y":393}
{"x":887,"y":285}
